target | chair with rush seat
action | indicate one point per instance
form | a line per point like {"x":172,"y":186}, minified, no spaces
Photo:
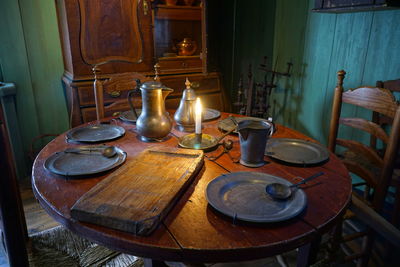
{"x":114,"y":86}
{"x":365,"y":161}
{"x":386,"y":122}
{"x":393,"y":86}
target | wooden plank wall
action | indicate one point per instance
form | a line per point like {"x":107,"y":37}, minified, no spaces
{"x":15,"y":68}
{"x":246,"y":32}
{"x":42,"y":40}
{"x":365,"y":44}
{"x":30,"y":56}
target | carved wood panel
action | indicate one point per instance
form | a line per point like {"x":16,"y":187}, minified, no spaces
{"x":100,"y":40}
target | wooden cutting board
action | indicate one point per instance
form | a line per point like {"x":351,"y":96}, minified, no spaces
{"x":137,"y":196}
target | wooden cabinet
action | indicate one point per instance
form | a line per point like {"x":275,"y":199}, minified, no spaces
{"x":94,"y":31}
{"x":132,"y":36}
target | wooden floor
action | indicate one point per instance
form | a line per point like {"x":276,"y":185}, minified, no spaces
{"x":37,"y":219}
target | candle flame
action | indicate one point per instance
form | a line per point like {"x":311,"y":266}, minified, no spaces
{"x":199,"y":108}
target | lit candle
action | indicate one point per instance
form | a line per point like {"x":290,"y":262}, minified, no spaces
{"x":198,"y":116}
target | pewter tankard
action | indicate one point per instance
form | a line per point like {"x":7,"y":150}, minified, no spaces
{"x":253,"y":136}
{"x":154,"y":122}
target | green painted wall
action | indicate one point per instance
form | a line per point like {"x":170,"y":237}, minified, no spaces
{"x":246,"y":32}
{"x":365,"y":44}
{"x":30,"y":56}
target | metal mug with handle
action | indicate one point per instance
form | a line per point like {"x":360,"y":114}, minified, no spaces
{"x":253,"y":136}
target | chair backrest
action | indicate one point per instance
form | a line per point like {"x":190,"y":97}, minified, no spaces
{"x":116,"y":83}
{"x":392,"y":85}
{"x":379,"y":174}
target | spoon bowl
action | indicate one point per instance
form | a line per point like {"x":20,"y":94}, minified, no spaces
{"x":107,"y":152}
{"x":282,"y":191}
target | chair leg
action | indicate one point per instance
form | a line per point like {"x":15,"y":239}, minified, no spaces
{"x":336,"y":240}
{"x":366,"y":250}
{"x":308,"y":253}
{"x":153,"y":263}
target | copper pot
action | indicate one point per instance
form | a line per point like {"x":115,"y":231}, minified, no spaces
{"x":187,"y":47}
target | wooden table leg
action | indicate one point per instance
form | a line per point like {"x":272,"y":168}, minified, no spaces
{"x":153,"y":263}
{"x":308,"y":253}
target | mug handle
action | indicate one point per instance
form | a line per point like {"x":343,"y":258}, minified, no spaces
{"x":273,"y":127}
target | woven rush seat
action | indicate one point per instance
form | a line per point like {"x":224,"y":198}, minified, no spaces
{"x":60,"y":247}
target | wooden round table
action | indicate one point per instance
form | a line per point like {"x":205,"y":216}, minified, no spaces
{"x":192,"y":231}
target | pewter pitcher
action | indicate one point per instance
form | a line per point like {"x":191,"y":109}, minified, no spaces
{"x":154,"y":122}
{"x":253,"y":136}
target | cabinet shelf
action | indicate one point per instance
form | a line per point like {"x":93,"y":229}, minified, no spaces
{"x":179,"y":57}
{"x":178,"y":12}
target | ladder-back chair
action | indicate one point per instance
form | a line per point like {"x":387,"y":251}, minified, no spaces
{"x":361,"y":159}
{"x":393,"y":86}
{"x":115,"y":85}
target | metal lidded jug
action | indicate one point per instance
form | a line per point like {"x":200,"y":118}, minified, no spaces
{"x":154,"y":123}
{"x":184,"y":115}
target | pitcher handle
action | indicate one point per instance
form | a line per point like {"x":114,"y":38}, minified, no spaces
{"x":138,"y":84}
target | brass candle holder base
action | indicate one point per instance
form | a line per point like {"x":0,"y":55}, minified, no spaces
{"x":153,"y":140}
{"x":198,"y":141}
{"x":185,"y":128}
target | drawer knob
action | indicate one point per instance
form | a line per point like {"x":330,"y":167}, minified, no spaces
{"x":114,"y":94}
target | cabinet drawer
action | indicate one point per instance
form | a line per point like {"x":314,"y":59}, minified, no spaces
{"x":180,"y":64}
{"x":200,"y":82}
{"x":86,"y":95}
{"x":210,"y":100}
{"x":208,"y":87}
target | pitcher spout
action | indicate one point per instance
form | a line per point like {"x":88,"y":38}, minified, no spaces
{"x":166,"y":91}
{"x":244,"y":132}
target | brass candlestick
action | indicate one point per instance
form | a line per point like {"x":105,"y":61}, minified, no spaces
{"x":198,"y":141}
{"x":202,"y":141}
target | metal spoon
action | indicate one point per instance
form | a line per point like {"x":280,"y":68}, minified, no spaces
{"x":282,"y":191}
{"x":228,"y":145}
{"x":107,"y":152}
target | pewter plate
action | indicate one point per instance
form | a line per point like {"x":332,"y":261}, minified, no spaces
{"x":210,"y":114}
{"x":95,"y":133}
{"x":227,"y":124}
{"x":85,"y":163}
{"x":241,"y":195}
{"x":128,"y":116}
{"x":296,"y":151}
